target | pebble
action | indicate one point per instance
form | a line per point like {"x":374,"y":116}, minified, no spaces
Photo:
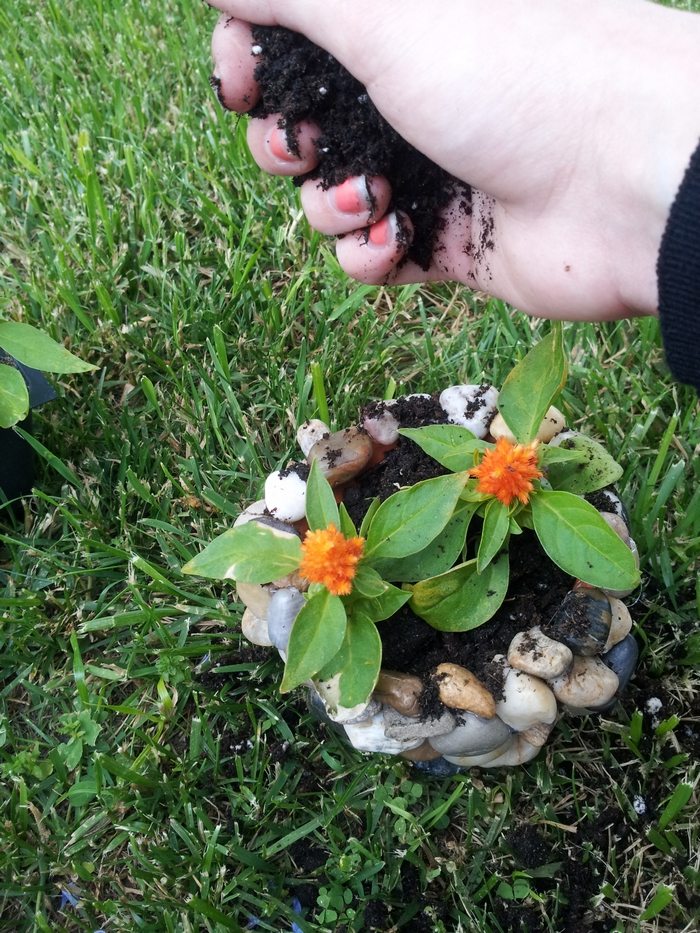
{"x":537,"y":654}
{"x":254,"y":510}
{"x":370,"y":736}
{"x":471,"y":406}
{"x":621,"y":624}
{"x":590,"y":684}
{"x":310,"y":432}
{"x":341,"y":456}
{"x":400,"y":691}
{"x":384,"y":427}
{"x":398,"y":726}
{"x":458,"y":688}
{"x":255,"y":629}
{"x":519,"y":752}
{"x":622,"y":659}
{"x":527,"y":700}
{"x":424,"y":752}
{"x":255,"y":596}
{"x":285,"y":495}
{"x":472,"y":736}
{"x":552,"y":423}
{"x":439,"y":768}
{"x":538,"y":734}
{"x":478,"y":761}
{"x":587,"y":609}
{"x":282,"y":610}
{"x":618,"y":525}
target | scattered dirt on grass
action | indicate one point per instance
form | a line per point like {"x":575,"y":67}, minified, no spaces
{"x":529,"y":847}
{"x":302,"y":82}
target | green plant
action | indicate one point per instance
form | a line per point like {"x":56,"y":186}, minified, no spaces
{"x":33,"y":348}
{"x":418,"y":535}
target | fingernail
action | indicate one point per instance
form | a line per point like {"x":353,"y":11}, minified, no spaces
{"x":352,"y":197}
{"x":277,"y":141}
{"x":383,"y":232}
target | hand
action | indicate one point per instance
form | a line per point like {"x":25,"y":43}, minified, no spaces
{"x":572,"y":120}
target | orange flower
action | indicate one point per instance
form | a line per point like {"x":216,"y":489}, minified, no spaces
{"x":328,"y":557}
{"x":507,"y":471}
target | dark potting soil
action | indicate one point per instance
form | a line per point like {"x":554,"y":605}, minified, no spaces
{"x":302,"y":82}
{"x":536,"y":590}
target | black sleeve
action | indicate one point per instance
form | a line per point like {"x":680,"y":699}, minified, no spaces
{"x":678,"y":271}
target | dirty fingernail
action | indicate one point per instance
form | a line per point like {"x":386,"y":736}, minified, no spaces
{"x":352,"y":197}
{"x":277,"y":142}
{"x":382,"y":233}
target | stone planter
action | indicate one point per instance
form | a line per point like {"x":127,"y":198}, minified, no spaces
{"x":570,"y":653}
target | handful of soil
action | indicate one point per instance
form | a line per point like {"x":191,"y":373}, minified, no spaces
{"x":302,"y":82}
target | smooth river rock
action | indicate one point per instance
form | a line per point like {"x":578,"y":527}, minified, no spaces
{"x":282,"y":610}
{"x":621,"y":624}
{"x":470,"y":406}
{"x":370,"y":736}
{"x":537,"y":654}
{"x":479,"y":761}
{"x":255,"y":629}
{"x":527,"y":700}
{"x":588,"y":685}
{"x":622,"y":659}
{"x":458,"y":688}
{"x":254,"y":510}
{"x":310,"y":432}
{"x":582,"y":621}
{"x":472,"y":736}
{"x":342,"y":455}
{"x":255,"y":596}
{"x":398,"y":726}
{"x":552,"y":423}
{"x":400,"y":691}
{"x":285,"y":495}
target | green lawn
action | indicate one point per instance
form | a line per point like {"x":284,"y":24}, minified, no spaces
{"x":150,"y":770}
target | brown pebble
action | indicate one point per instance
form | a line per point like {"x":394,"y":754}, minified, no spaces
{"x":342,"y":455}
{"x":458,"y":688}
{"x":400,"y":691}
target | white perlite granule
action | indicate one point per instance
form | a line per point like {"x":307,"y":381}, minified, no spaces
{"x":639,"y":804}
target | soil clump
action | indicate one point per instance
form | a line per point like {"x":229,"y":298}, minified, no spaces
{"x":300,"y":81}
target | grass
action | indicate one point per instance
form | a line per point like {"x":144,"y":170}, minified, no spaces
{"x":152,"y":777}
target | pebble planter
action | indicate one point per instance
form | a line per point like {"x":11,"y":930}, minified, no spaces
{"x":542,"y":676}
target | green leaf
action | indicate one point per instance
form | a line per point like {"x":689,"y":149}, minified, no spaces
{"x":251,"y":553}
{"x":381,"y":607}
{"x":561,"y":454}
{"x":14,"y":397}
{"x":368,"y":582}
{"x":462,"y":599}
{"x":357,"y":662}
{"x":347,"y":525}
{"x":493,"y":534}
{"x":441,"y":554}
{"x":594,"y":470}
{"x":369,"y":515}
{"x":532,"y":385}
{"x":316,"y":637}
{"x":451,"y":445}
{"x":321,"y":507}
{"x":36,"y":349}
{"x":679,"y":798}
{"x":662,"y":898}
{"x":408,"y":521}
{"x":579,"y":541}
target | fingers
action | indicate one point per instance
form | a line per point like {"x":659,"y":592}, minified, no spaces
{"x":234,"y":65}
{"x":372,"y":255}
{"x":271,"y":149}
{"x":354,"y":204}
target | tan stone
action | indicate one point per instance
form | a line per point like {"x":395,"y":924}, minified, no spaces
{"x":400,"y":691}
{"x":589,"y":684}
{"x":552,"y":423}
{"x":342,"y":455}
{"x":536,"y":654}
{"x":538,"y":734}
{"x":255,"y":629}
{"x":527,"y":700}
{"x":255,"y":596}
{"x":458,"y":688}
{"x":621,"y":624}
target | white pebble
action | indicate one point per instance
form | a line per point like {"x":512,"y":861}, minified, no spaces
{"x":527,"y":700}
{"x":384,"y":427}
{"x":285,"y":496}
{"x":255,"y":629}
{"x":639,"y":804}
{"x":310,"y":432}
{"x":254,"y":510}
{"x":369,"y":736}
{"x":470,"y":406}
{"x":256,"y":49}
{"x":552,"y":424}
{"x":653,"y":705}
